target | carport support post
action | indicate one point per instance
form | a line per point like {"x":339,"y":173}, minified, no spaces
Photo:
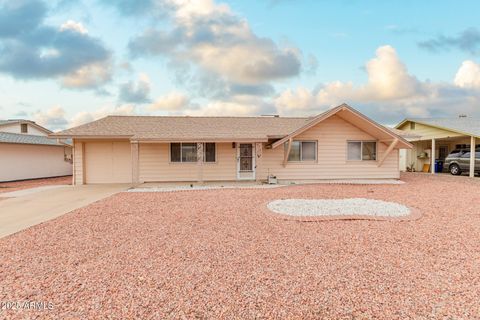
{"x":472,"y":157}
{"x":258,"y":161}
{"x":432,"y":157}
{"x":200,"y":161}
{"x":135,"y":164}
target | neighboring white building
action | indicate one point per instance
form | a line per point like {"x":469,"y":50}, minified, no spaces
{"x":26,"y":152}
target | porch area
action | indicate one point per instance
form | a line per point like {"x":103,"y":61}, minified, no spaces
{"x":426,"y":152}
{"x":195,"y":163}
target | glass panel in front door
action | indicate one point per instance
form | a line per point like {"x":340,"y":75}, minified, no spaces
{"x":246,"y":161}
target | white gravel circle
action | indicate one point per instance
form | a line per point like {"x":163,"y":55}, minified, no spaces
{"x":338,"y":207}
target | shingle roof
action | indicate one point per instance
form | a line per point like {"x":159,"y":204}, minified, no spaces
{"x":470,"y":126}
{"x":6,"y":137}
{"x":181,"y":128}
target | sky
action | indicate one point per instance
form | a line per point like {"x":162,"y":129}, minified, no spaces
{"x":67,"y":62}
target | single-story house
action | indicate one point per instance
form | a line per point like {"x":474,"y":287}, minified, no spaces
{"x":341,"y":143}
{"x":28,"y":153}
{"x":434,"y":138}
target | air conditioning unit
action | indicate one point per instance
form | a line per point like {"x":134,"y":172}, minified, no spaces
{"x":272,"y":179}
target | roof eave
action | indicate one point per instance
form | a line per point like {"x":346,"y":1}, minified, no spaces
{"x":438,"y":127}
{"x":193,"y":139}
{"x":80,"y":136}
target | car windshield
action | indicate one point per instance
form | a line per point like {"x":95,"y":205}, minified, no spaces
{"x":455,"y":153}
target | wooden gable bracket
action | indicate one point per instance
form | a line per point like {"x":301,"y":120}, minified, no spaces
{"x":387,"y":152}
{"x":287,"y":152}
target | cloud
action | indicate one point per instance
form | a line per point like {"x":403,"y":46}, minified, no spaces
{"x":30,"y":49}
{"x":88,"y":77}
{"x":388,"y":77}
{"x":211,"y":41}
{"x":53,"y":118}
{"x":132,"y":7}
{"x":226,"y":108}
{"x":139,"y":92}
{"x":74,"y":26}
{"x":19,"y":17}
{"x":56,"y":118}
{"x":468,"y":76}
{"x":390,"y":92}
{"x":468,"y":41}
{"x":174,"y":101}
{"x":86,"y":116}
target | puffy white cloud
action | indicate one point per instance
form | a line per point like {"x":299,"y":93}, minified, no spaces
{"x":139,"y":92}
{"x":53,"y":118}
{"x":88,"y":77}
{"x":33,"y":49}
{"x":216,"y":42}
{"x":225,"y":108}
{"x":174,"y":101}
{"x":388,"y":77}
{"x":390,"y":92}
{"x":468,"y":75}
{"x":85,"y":116}
{"x":56,"y":118}
{"x":73,"y":26}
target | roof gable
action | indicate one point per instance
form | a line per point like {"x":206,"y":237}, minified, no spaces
{"x":354,"y":117}
{"x":28,"y":122}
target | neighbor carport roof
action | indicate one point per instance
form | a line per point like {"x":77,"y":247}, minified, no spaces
{"x":467,"y":126}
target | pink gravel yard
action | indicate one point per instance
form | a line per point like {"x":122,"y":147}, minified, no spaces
{"x":27,"y":184}
{"x":217,"y":254}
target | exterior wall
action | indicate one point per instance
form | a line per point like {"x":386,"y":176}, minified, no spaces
{"x":155,"y":165}
{"x":331,"y":136}
{"x":107,"y":162}
{"x":101,"y":160}
{"x":15,"y":128}
{"x":23,"y":161}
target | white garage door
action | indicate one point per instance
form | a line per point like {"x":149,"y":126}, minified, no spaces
{"x":108,"y":162}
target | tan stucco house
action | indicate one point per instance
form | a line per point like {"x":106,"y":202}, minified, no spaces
{"x":338,"y":144}
{"x":26,"y":152}
{"x":434,"y":138}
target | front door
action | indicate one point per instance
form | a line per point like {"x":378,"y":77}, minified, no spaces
{"x":245,"y":161}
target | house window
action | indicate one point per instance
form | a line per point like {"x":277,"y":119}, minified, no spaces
{"x":303,"y":151}
{"x":412,"y":125}
{"x":23,"y":128}
{"x":361,"y":150}
{"x":187,"y":152}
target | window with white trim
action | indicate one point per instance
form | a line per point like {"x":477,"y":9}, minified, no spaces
{"x":187,"y":152}
{"x":303,"y":151}
{"x":361,"y":150}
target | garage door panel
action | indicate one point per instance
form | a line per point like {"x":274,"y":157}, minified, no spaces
{"x":108,"y":162}
{"x":122,"y":162}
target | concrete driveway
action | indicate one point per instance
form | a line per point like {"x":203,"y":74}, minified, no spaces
{"x":22,"y":209}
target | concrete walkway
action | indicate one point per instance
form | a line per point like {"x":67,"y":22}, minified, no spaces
{"x":30,"y":208}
